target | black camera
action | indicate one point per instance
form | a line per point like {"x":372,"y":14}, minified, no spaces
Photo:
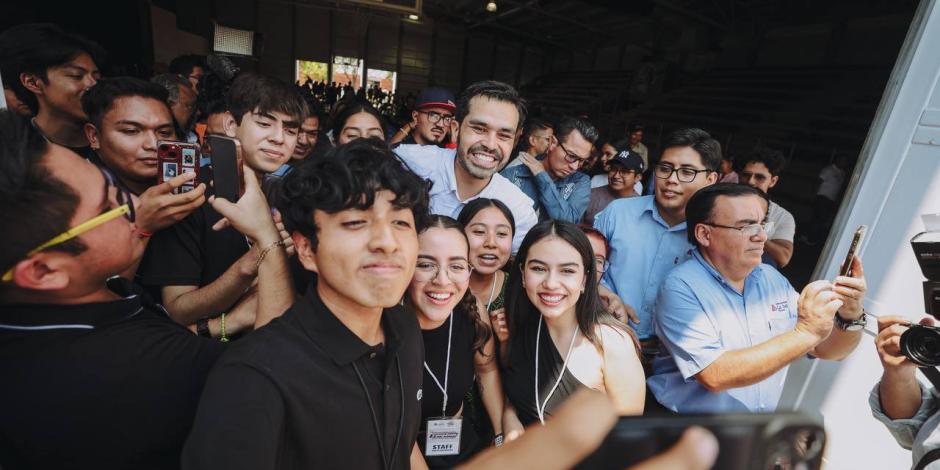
{"x":921,"y":344}
{"x":758,"y":441}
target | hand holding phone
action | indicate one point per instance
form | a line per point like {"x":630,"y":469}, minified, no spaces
{"x":846,"y":269}
{"x":177,"y":158}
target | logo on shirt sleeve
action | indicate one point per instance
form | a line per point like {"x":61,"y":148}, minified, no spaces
{"x":420,"y":394}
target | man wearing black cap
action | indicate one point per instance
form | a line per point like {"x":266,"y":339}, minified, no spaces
{"x":432,"y":120}
{"x":624,"y":170}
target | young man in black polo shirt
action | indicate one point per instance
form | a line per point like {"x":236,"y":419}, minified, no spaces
{"x":49,"y":70}
{"x":335,"y":382}
{"x":203,"y":272}
{"x":90,"y":379}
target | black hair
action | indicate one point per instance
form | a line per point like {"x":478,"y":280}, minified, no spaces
{"x":772,"y":159}
{"x":184,"y":64}
{"x":35,"y":48}
{"x":493,"y":90}
{"x":313,"y":106}
{"x":348,"y":177}
{"x":589,"y":311}
{"x":474,"y":207}
{"x":702,"y":203}
{"x":252,"y":93}
{"x":355,"y":107}
{"x":589,"y":231}
{"x":40,"y":205}
{"x":702,"y":142}
{"x":97,"y":101}
{"x":172,"y":83}
{"x":571,"y":124}
{"x":468,"y":304}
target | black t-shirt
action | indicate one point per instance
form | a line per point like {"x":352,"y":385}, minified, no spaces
{"x":100,"y":385}
{"x":519,"y":377}
{"x":291,"y":395}
{"x":190,"y":253}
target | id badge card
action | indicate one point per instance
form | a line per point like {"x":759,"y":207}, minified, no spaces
{"x":443,"y":436}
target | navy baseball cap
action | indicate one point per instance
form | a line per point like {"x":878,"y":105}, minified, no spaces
{"x":436,"y":98}
{"x":628,"y":160}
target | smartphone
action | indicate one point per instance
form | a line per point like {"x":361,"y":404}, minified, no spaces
{"x":226,"y":156}
{"x":176,"y":158}
{"x":759,"y":441}
{"x":846,"y":269}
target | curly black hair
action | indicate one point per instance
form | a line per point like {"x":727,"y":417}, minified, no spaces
{"x":348,"y":177}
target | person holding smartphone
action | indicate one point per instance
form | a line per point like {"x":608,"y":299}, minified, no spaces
{"x":730,"y":326}
{"x":202,"y":267}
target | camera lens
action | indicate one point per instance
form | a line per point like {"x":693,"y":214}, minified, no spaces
{"x":921,"y":344}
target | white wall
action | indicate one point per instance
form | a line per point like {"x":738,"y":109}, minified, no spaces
{"x":898,"y":178}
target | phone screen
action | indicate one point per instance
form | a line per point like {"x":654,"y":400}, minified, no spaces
{"x":846,"y":269}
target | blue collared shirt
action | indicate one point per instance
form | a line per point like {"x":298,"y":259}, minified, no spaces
{"x":564,"y":199}
{"x":643,"y":249}
{"x":700,"y":316}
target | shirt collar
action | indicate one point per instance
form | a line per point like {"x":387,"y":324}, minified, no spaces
{"x":451,"y":176}
{"x":338,"y":341}
{"x":40,"y":317}
{"x":654,"y":213}
{"x":717,"y":275}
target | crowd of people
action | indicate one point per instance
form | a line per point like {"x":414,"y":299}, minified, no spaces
{"x":376,"y":298}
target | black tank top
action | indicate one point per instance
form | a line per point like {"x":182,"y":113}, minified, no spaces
{"x":519,"y":377}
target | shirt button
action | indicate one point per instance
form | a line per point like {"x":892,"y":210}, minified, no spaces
{"x":388,"y":387}
{"x":372,"y":355}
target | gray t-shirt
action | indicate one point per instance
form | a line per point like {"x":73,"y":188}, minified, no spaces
{"x":784,"y":224}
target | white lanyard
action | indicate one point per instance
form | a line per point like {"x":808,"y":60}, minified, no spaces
{"x":450,"y":332}
{"x":541,"y":408}
{"x":492,"y":291}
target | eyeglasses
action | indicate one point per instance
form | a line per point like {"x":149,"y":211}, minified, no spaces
{"x":685,"y":175}
{"x":749,"y":231}
{"x":456,"y":272}
{"x":571,"y":157}
{"x":621,"y":171}
{"x":125,"y":208}
{"x":434,"y":117}
{"x":601,"y":264}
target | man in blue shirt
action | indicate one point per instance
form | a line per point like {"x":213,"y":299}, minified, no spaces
{"x":729,"y":325}
{"x":559,"y":190}
{"x":647,"y":234}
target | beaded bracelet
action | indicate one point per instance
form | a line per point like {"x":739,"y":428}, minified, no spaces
{"x":222,"y":337}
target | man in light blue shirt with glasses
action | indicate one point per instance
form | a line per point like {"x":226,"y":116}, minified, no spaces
{"x":729,"y":325}
{"x":647,"y":234}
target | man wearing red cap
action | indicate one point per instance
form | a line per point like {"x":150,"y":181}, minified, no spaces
{"x":432,"y":121}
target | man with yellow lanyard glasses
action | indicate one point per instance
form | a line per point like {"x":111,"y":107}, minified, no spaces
{"x":92,"y":379}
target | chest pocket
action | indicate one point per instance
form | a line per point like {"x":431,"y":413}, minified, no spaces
{"x":781,"y":317}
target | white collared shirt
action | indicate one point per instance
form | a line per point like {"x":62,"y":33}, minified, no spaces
{"x":437,"y":165}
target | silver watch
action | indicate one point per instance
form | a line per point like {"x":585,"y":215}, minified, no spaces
{"x":851,"y":325}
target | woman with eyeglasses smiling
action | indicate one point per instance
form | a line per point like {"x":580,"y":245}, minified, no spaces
{"x":458,"y":345}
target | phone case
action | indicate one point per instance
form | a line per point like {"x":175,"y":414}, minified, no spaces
{"x":176,"y":158}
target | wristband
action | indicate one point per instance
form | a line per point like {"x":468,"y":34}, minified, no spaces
{"x":142,"y":234}
{"x":450,"y":146}
{"x":498,"y":440}
{"x":222,"y":338}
